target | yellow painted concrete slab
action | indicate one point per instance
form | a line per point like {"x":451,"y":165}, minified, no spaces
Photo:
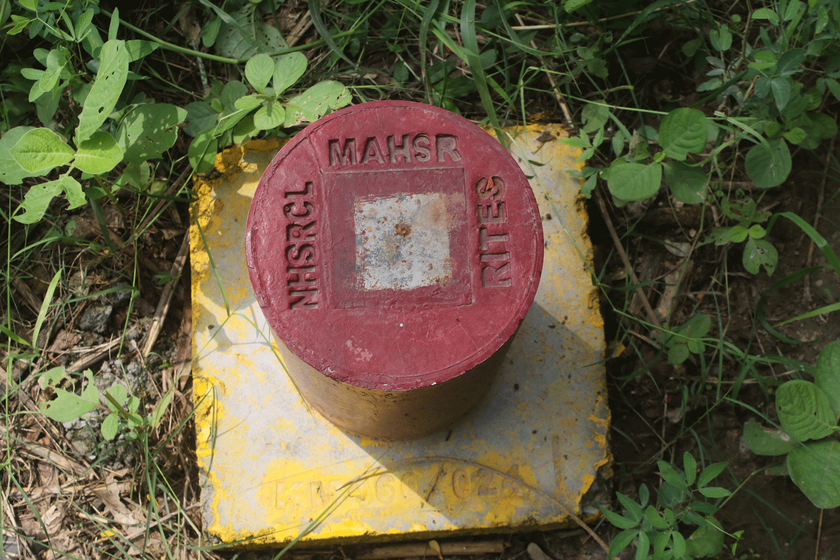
{"x":272,"y":469}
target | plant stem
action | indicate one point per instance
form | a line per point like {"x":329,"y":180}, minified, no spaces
{"x":190,"y":52}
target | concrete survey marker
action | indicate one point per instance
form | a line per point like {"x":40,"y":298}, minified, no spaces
{"x":531,"y":449}
{"x":394,"y":248}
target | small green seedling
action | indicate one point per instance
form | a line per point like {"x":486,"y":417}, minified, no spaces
{"x":68,"y":405}
{"x":808,"y":413}
{"x":686,"y":339}
{"x":656,"y":530}
{"x":758,"y":252}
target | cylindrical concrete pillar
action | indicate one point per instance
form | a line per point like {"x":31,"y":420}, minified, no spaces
{"x":394,"y":248}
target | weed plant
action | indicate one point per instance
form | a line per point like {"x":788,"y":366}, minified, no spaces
{"x":692,"y":104}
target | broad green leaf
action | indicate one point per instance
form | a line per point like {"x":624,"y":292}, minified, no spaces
{"x":671,"y":475}
{"x":715,"y":492}
{"x":804,"y":410}
{"x":710,"y":473}
{"x":781,"y":92}
{"x":149,"y":130}
{"x":642,"y":546}
{"x":316,"y":102}
{"x":635,"y":181}
{"x":202,"y":151}
{"x":815,"y":469}
{"x":655,"y":519}
{"x":768,"y":168}
{"x":594,"y":117}
{"x":159,"y":410}
{"x":833,"y":87}
{"x":789,"y":63}
{"x":690,"y":468}
{"x":137,"y":175}
{"x":232,"y":91}
{"x":618,"y":520}
{"x":106,"y":89}
{"x":11,"y":173}
{"x":247,"y":103}
{"x":678,"y":353}
{"x":706,"y":541}
{"x":68,"y":406}
{"x":683,"y":131}
{"x":19,"y":23}
{"x":258,"y":71}
{"x":200,"y":116}
{"x":660,"y":542}
{"x":287,"y":70}
{"x":633,"y":509}
{"x":679,"y":544}
{"x":269,"y":116}
{"x":687,"y":184}
{"x":766,"y":13}
{"x":119,"y":393}
{"x":244,"y":130}
{"x":621,"y":541}
{"x":758,"y":253}
{"x":139,"y":49}
{"x":98,"y":154}
{"x":827,"y":376}
{"x":572,"y":5}
{"x":210,"y":31}
{"x":245,"y":33}
{"x":41,"y":149}
{"x":795,"y":135}
{"x":109,"y":427}
{"x":767,"y":441}
{"x":38,"y":198}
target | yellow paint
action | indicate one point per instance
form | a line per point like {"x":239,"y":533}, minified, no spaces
{"x":300,"y":467}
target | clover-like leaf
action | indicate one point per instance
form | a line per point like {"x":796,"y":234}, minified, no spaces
{"x":202,"y":151}
{"x":287,"y":70}
{"x":269,"y":116}
{"x":815,"y":469}
{"x":109,"y":426}
{"x":804,"y":410}
{"x":682,"y":131}
{"x":259,"y":70}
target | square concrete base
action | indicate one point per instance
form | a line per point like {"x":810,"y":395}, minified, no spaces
{"x":273,"y":469}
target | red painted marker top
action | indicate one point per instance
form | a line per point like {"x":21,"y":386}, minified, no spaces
{"x":394,"y":245}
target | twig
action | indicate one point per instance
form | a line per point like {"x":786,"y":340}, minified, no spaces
{"x":620,"y":248}
{"x":806,"y":292}
{"x":166,"y":296}
{"x":819,"y":532}
{"x":299,"y":29}
{"x":553,"y":83}
{"x":424,"y":550}
{"x":97,"y":354}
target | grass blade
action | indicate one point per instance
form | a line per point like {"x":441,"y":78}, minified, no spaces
{"x":472,"y":59}
{"x":315,"y":14}
{"x":42,"y":314}
{"x":431,"y":10}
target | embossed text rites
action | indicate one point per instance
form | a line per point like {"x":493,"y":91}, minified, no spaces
{"x":494,"y":258}
{"x":405,"y":148}
{"x":300,"y":253}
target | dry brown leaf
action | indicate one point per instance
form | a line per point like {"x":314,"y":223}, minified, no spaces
{"x":120,"y":512}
